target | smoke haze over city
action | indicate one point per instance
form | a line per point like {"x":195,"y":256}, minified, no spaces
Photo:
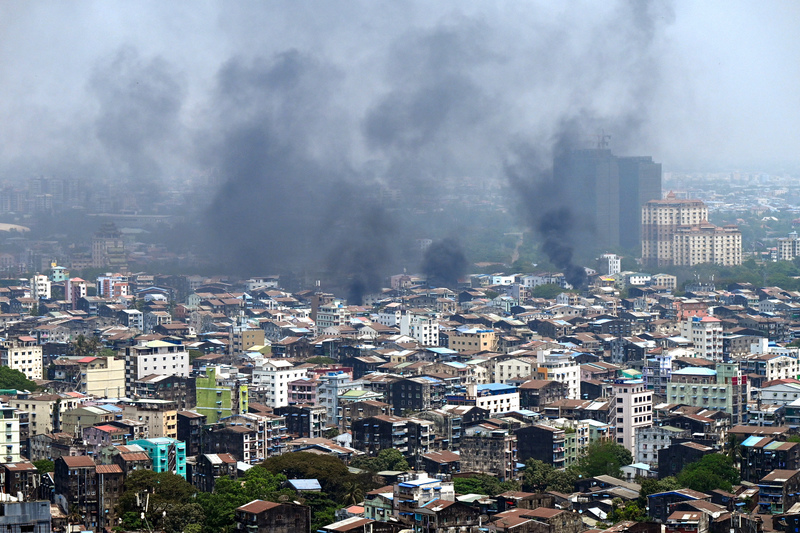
{"x":295,"y":118}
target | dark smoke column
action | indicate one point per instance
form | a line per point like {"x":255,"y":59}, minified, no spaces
{"x":555,"y":225}
{"x":444,"y":263}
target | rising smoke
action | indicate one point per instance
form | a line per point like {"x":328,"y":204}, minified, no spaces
{"x":444,"y":263}
{"x":303,"y":119}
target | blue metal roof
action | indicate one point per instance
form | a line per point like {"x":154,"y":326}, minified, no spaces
{"x":495,"y":387}
{"x":305,"y":484}
{"x":695,"y":371}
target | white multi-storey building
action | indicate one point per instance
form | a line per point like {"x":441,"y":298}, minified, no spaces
{"x":40,"y":287}
{"x":651,"y":439}
{"x":633,"y":405}
{"x":154,"y":357}
{"x":22,"y":354}
{"x":332,"y":314}
{"x":513,"y":368}
{"x":706,"y":336}
{"x":614,"y":263}
{"x":424,"y":329}
{"x":560,"y":366}
{"x":9,"y":452}
{"x":273,"y":377}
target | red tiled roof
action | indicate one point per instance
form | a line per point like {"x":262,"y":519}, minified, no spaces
{"x":109,"y":469}
{"x":257,"y":506}
{"x":77,"y":461}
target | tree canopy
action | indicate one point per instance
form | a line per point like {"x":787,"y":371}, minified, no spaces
{"x":14,"y":379}
{"x":257,"y":484}
{"x":711,"y":472}
{"x":539,"y":476}
{"x":548,"y":291}
{"x":483,"y":484}
{"x":159,"y":492}
{"x":605,"y":458}
{"x":388,"y":459}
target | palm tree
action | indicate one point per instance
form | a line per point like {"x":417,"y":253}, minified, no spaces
{"x":733,"y":450}
{"x":354,"y":493}
{"x":83,"y":346}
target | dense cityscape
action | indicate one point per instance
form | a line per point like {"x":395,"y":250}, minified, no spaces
{"x":408,"y":267}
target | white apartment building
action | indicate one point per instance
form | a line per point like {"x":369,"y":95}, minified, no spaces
{"x":614,"y":263}
{"x":707,"y":243}
{"x":9,"y":438}
{"x":23,"y":354}
{"x":423,"y":328}
{"x":560,"y":366}
{"x":633,"y":404}
{"x":274,"y":376}
{"x":660,"y":221}
{"x":513,"y":368}
{"x":333,"y":385}
{"x":154,"y":357}
{"x":40,"y":287}
{"x":135,"y":319}
{"x":788,"y":247}
{"x":332,"y":314}
{"x":651,"y":439}
{"x":706,"y":336}
{"x":495,"y":397}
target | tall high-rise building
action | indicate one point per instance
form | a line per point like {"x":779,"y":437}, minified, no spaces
{"x":639,"y":182}
{"x":108,"y":248}
{"x":661,"y":220}
{"x":592,"y":179}
{"x":677,"y":232}
{"x":609,"y":191}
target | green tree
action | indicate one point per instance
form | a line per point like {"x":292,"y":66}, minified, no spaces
{"x":483,"y":484}
{"x":160,"y":492}
{"x":539,"y":476}
{"x":257,"y":484}
{"x":320,"y":360}
{"x":323,"y":509}
{"x":44,"y":466}
{"x":14,"y":379}
{"x":604,"y":458}
{"x":626,"y":511}
{"x":711,"y":472}
{"x":332,"y":473}
{"x":388,"y":459}
{"x":181,"y":517}
{"x":548,"y":291}
{"x":654,"y":486}
{"x":83,"y":346}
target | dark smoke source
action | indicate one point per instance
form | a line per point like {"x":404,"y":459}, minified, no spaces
{"x":444,"y":263}
{"x":554,"y":226}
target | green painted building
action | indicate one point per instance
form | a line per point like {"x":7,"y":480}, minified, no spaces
{"x":220,"y":395}
{"x":167,"y":455}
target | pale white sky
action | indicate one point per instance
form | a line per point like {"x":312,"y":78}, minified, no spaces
{"x":691,"y":83}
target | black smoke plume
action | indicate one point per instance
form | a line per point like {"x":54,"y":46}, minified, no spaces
{"x":444,"y":263}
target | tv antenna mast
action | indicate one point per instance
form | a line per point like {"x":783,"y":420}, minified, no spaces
{"x":603,"y":140}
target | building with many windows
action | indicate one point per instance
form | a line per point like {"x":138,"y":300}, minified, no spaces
{"x":22,"y":354}
{"x":154,"y":357}
{"x":706,"y":336}
{"x":723,"y":388}
{"x":168,"y":455}
{"x":677,"y":232}
{"x":633,"y":409}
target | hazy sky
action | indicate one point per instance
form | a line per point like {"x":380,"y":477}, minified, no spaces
{"x":443,"y":86}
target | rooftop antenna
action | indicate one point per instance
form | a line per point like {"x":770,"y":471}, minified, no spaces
{"x":602,"y":140}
